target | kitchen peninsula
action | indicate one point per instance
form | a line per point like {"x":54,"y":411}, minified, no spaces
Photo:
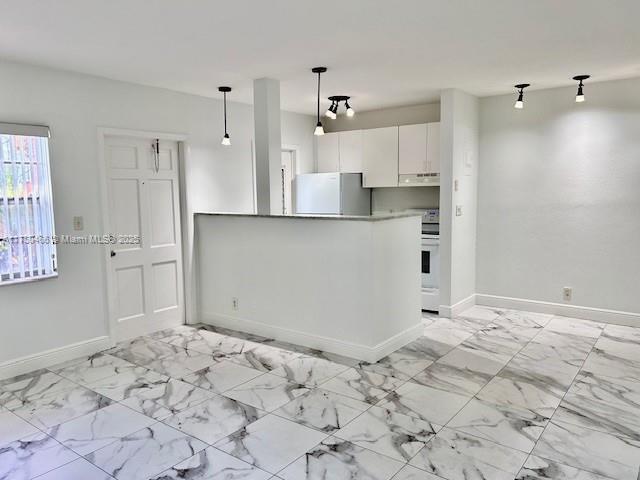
{"x":344,"y":284}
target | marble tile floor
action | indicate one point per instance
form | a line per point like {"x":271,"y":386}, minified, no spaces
{"x":491,"y":394}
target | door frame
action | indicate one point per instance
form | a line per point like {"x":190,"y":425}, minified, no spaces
{"x":186,"y":253}
{"x":295,"y":170}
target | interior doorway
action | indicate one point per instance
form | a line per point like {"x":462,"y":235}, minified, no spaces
{"x":288,"y":173}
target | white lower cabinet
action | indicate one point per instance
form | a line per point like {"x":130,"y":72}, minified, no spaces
{"x":380,"y":157}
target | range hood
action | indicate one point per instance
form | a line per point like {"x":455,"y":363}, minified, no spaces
{"x":419,"y":180}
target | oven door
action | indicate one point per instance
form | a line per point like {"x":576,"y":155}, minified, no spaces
{"x":430,"y":263}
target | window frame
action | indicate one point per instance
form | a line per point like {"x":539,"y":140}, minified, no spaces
{"x":45,"y":269}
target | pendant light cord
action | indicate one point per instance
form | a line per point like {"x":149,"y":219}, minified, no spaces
{"x":318,"y":96}
{"x":225,"y":113}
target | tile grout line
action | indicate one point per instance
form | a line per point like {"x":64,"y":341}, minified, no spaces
{"x":474,"y":397}
{"x":560,"y":403}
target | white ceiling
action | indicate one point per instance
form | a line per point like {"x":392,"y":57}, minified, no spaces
{"x":382,"y":52}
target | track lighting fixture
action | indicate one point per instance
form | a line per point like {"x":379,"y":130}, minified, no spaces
{"x":319,"y":129}
{"x":520,"y":101}
{"x":335,"y":103}
{"x":580,"y":94}
{"x":226,"y":141}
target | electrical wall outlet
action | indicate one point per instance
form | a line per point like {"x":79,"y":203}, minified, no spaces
{"x":235,"y":303}
{"x":567,"y":292}
{"x":78,"y":223}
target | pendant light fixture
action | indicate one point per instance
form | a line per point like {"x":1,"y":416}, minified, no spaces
{"x":319,"y":129}
{"x":226,"y":141}
{"x":520,"y":101}
{"x":580,"y":94}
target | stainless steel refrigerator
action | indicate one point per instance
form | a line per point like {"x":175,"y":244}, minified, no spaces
{"x":331,"y":194}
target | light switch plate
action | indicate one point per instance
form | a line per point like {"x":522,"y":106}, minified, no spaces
{"x":78,"y":223}
{"x":458,"y":210}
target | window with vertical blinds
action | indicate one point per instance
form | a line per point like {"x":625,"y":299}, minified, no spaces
{"x":27,"y":235}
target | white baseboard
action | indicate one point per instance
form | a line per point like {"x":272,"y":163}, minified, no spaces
{"x":587,"y":313}
{"x":327,"y":344}
{"x":456,"y":309}
{"x":51,"y":357}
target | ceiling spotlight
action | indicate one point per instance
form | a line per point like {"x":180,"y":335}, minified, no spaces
{"x":319,"y":130}
{"x":350,"y":111}
{"x":580,"y":94}
{"x":226,"y":141}
{"x":332,"y":111}
{"x":520,"y":101}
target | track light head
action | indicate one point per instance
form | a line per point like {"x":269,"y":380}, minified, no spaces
{"x":580,"y":95}
{"x":350,"y":111}
{"x":332,"y":111}
{"x":226,"y":141}
{"x":520,"y":101}
{"x":319,"y":129}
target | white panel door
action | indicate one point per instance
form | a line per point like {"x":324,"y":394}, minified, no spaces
{"x":412,"y":147}
{"x":350,"y":146}
{"x":433,"y":147}
{"x":328,"y":153}
{"x":145,"y":278}
{"x":380,"y":157}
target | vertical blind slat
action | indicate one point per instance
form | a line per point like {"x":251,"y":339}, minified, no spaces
{"x":16,"y":206}
{"x":5,"y":210}
{"x":35,"y":202}
{"x":47,"y":203}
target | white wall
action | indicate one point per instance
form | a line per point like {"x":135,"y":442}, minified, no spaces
{"x":71,"y":308}
{"x":343,"y":286}
{"x":559,"y":196}
{"x":459,"y":130}
{"x":384,"y":117}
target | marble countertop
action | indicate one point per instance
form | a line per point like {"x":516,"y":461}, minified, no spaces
{"x":366,"y":218}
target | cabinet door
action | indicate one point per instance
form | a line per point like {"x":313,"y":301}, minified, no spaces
{"x":350,"y":147}
{"x":328,"y":155}
{"x":380,"y":157}
{"x":412,"y":148}
{"x":433,"y":147}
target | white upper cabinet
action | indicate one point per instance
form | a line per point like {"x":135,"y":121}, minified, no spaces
{"x":419,"y":149}
{"x":412,"y":148}
{"x":328,"y":153}
{"x":433,"y":147}
{"x":350,"y":147}
{"x":380,"y":157}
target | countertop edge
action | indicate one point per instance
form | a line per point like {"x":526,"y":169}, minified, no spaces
{"x":372,"y":218}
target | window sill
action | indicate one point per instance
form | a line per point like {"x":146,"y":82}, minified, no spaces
{"x":20,"y":281}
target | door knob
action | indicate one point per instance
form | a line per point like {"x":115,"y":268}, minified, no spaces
{"x":113,"y":254}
